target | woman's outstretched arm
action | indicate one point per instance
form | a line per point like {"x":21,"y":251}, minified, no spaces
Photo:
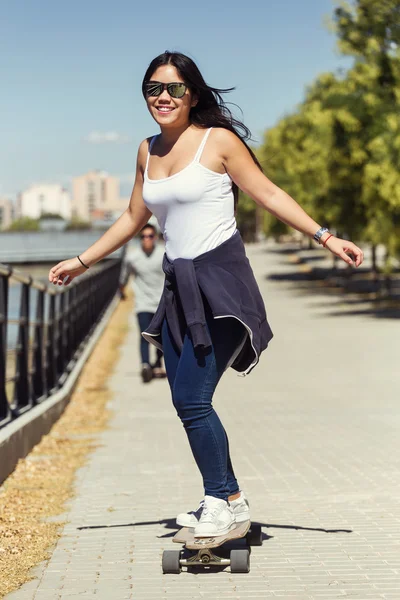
{"x":129,"y":224}
{"x":248,"y":177}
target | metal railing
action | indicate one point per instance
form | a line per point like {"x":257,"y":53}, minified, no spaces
{"x":40,"y":346}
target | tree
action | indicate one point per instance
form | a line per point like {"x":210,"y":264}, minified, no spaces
{"x":25,"y":224}
{"x":50,"y":215}
{"x":246,"y":217}
{"x":338,"y":154}
{"x":77,"y":224}
{"x":369,"y":30}
{"x":249,"y":215}
{"x":294,"y":155}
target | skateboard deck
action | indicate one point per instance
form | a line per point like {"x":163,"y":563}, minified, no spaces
{"x":185,"y":536}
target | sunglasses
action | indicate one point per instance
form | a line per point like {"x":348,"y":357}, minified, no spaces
{"x":147,"y":235}
{"x":156,"y":88}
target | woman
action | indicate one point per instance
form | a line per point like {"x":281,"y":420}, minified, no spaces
{"x":211,"y":315}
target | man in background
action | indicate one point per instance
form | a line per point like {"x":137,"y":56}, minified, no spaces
{"x":148,"y":281}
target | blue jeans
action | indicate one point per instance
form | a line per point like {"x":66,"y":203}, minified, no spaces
{"x":144,"y":320}
{"x":193,"y":378}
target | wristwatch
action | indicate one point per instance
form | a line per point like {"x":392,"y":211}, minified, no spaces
{"x":320,"y":233}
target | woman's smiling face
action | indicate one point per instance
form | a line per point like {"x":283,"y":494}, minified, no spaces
{"x":166,"y":110}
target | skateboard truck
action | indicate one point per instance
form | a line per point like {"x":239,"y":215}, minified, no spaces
{"x":204,"y":557}
{"x":202,"y":548}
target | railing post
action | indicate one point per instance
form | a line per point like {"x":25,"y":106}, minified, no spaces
{"x":60,"y":335}
{"x":5,"y":413}
{"x":68,"y":326}
{"x":88,"y":316}
{"x":73,"y":319}
{"x":22,"y":391}
{"x":38,"y":375}
{"x":51,"y":368}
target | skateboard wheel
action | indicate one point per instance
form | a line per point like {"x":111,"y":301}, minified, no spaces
{"x":240,"y":560}
{"x":171,"y":561}
{"x":254,"y":536}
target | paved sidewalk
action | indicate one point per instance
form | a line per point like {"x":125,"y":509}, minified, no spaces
{"x":314,"y":434}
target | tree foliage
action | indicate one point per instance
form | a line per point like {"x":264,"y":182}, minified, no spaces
{"x":246,"y":217}
{"x":77,"y":224}
{"x":338,"y":154}
{"x":25,"y":224}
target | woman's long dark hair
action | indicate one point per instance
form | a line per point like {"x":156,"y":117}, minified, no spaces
{"x":210,"y":110}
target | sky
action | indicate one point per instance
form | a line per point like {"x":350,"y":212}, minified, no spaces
{"x":71,"y":72}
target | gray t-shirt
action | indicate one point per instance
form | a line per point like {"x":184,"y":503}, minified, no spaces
{"x":148,"y":278}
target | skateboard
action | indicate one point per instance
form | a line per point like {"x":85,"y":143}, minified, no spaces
{"x":201,"y":549}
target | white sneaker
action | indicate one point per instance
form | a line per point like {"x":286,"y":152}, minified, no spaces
{"x":217,"y":518}
{"x":191,"y":518}
{"x":240,"y":508}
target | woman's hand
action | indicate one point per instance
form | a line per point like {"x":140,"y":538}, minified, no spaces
{"x":342,"y":249}
{"x":66,"y":269}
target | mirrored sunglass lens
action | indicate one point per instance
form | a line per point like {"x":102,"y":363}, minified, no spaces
{"x":153,"y":89}
{"x":176,"y":90}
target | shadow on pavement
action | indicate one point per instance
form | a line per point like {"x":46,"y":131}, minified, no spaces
{"x":348,"y":292}
{"x":282,"y":250}
{"x":222,"y":551}
{"x":171,"y":524}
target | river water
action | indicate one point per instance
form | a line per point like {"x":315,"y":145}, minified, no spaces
{"x":38,"y":272}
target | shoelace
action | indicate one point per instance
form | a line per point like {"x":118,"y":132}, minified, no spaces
{"x":212,"y":512}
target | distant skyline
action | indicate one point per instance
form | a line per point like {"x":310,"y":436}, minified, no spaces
{"x":71,"y":74}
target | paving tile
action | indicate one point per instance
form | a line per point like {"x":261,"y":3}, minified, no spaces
{"x":314,"y":440}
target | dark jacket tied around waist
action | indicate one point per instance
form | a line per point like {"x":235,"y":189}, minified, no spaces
{"x":225,"y":278}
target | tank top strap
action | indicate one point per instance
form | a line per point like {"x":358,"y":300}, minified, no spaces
{"x":201,"y":147}
{"x":149,"y":150}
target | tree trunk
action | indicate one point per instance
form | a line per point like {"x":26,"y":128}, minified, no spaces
{"x":259,"y":215}
{"x":374,"y":259}
{"x":388,"y":274}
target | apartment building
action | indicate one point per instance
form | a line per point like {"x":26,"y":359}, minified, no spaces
{"x":6,"y":213}
{"x":96,"y":193}
{"x":44,"y":198}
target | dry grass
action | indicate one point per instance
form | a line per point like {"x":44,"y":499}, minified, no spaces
{"x":43,"y":481}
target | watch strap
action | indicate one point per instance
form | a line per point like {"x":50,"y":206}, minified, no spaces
{"x":318,"y":235}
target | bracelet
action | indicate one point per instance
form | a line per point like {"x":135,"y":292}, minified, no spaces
{"x":82,"y":263}
{"x":329,"y":236}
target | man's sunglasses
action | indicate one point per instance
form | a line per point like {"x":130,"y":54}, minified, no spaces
{"x":156,"y":88}
{"x":147,"y":235}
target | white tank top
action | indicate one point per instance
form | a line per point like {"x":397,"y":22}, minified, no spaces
{"x":194,"y":207}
